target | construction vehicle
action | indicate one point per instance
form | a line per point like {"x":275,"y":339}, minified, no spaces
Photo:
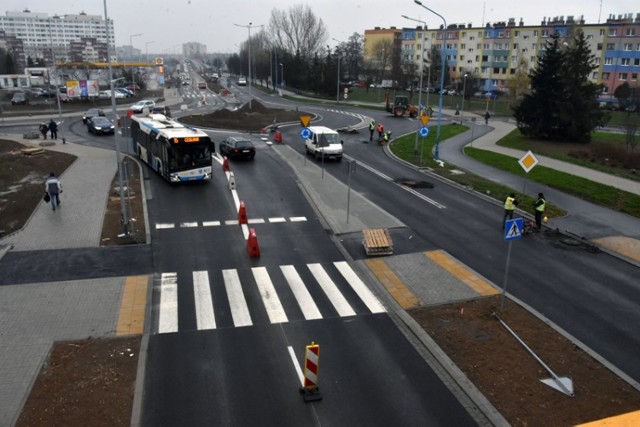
{"x":401,"y":107}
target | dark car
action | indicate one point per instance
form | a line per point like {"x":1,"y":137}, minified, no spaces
{"x":233,"y":147}
{"x":20,"y":98}
{"x":92,"y":112}
{"x":100,"y":125}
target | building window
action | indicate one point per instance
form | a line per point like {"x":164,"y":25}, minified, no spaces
{"x":515,"y":46}
{"x":605,"y":76}
{"x":535,"y":33}
{"x":623,"y":76}
{"x":594,"y":75}
{"x":625,"y":61}
{"x":602,"y":32}
{"x":596,"y":61}
{"x":631,"y":31}
{"x":516,"y":34}
{"x":628,"y":46}
{"x":608,"y":61}
{"x":634,"y":76}
{"x":599,"y":46}
{"x":613,"y":32}
{"x":589,"y":36}
{"x":545,"y":33}
{"x":463,"y":46}
{"x":636,"y":61}
{"x":611,"y":46}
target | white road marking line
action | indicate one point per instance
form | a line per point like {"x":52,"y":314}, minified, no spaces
{"x":231,"y":222}
{"x":210,"y":223}
{"x":204,"y":303}
{"x":237,"y":302}
{"x":236,"y":199}
{"x":331,"y":290}
{"x":301,"y":293}
{"x":296,"y":365}
{"x":245,"y":231}
{"x":256,"y":221}
{"x":188,"y":224}
{"x":168,"y":316}
{"x":298,"y":218}
{"x":275,"y":220}
{"x":360,"y":288}
{"x":272,"y":304}
{"x":163,"y":226}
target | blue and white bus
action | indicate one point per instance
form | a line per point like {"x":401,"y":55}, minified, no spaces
{"x":176,"y":151}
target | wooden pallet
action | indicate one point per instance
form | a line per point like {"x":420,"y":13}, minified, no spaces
{"x":377,"y":241}
{"x":32,"y":151}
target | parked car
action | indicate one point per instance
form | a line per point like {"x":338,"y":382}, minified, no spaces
{"x":132,"y":87}
{"x":140,"y":105}
{"x":20,"y":98}
{"x":234,"y":147}
{"x":37,"y":91}
{"x":165,"y":110}
{"x":100,"y":125}
{"x":126,"y":92}
{"x":242,"y":81}
{"x":91,"y":112}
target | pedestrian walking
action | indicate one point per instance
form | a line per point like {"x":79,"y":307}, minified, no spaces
{"x":53,"y":187}
{"x":44,"y":129}
{"x":380,"y":129}
{"x":487,"y":116}
{"x":53,"y":128}
{"x":372,"y":128}
{"x":539,"y":206}
{"x":510,"y":204}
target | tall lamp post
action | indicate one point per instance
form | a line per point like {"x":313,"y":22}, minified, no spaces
{"x":338,"y":75}
{"x":464,"y":92}
{"x":124,"y":217}
{"x":436,"y":153}
{"x":415,"y":147}
{"x":248,"y":27}
{"x":133,"y":79}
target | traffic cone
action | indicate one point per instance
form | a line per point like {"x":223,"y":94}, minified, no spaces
{"x":277,"y":137}
{"x":242,"y":214}
{"x":225,"y":164}
{"x":252,"y":244}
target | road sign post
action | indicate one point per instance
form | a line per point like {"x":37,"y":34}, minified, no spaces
{"x":528,"y":162}
{"x":512,"y":231}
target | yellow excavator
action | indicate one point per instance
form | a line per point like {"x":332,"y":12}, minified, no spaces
{"x":401,"y":106}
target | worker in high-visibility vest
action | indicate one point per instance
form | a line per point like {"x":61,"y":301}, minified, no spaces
{"x":380,"y":129}
{"x":539,"y":210}
{"x":510,"y":204}
{"x":372,"y":128}
{"x":386,"y":137}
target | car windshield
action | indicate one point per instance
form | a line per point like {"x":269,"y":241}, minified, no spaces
{"x":328,"y":139}
{"x":244,"y":144}
{"x":101,"y":121}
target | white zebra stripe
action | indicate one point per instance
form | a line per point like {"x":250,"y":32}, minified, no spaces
{"x":237,"y":303}
{"x":365,"y":294}
{"x":204,"y":303}
{"x":168,"y":317}
{"x":164,"y":226}
{"x":331,"y":290}
{"x":272,"y":304}
{"x":302,"y":295}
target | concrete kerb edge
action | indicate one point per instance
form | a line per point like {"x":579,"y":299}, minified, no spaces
{"x":138,"y":393}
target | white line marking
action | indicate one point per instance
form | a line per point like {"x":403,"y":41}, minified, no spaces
{"x":237,"y":302}
{"x":275,"y":220}
{"x":168,"y":316}
{"x":164,"y":226}
{"x":245,"y":231}
{"x":236,"y":199}
{"x":210,"y":223}
{"x":231,"y":222}
{"x":203,"y":300}
{"x":256,"y":221}
{"x":359,"y":287}
{"x":269,"y":296}
{"x":298,"y":218}
{"x":296,"y":365}
{"x":331,"y":290}
{"x":188,"y":224}
{"x":301,"y":293}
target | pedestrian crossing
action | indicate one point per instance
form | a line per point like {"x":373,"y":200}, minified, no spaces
{"x":206,"y":300}
{"x":251,"y":221}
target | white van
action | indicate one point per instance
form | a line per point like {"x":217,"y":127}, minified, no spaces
{"x":324,"y":142}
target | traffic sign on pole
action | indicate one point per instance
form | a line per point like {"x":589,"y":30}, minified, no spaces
{"x":305,"y":133}
{"x":424,"y":131}
{"x":513,"y":229}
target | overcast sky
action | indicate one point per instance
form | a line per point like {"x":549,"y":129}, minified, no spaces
{"x":165,"y":24}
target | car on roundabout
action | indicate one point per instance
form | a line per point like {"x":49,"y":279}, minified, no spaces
{"x":139,"y":106}
{"x":234,"y":147}
{"x":91,"y":112}
{"x":242,"y":81}
{"x":100,"y":125}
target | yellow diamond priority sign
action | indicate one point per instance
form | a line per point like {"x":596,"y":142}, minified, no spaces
{"x":528,"y":161}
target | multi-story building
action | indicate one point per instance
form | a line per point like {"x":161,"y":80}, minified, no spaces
{"x":194,"y":50}
{"x":65,"y":38}
{"x":491,"y":53}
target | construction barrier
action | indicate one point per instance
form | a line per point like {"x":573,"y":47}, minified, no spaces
{"x":277,"y":137}
{"x":232,"y":181}
{"x":242,"y":214}
{"x":311,"y":359}
{"x":225,"y":164}
{"x":252,"y":244}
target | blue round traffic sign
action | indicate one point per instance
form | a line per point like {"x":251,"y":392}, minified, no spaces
{"x":424,"y":131}
{"x":305,"y":133}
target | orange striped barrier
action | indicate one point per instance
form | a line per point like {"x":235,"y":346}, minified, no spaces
{"x":311,"y":360}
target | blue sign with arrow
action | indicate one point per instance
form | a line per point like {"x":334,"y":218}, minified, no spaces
{"x":305,"y":133}
{"x":424,"y":131}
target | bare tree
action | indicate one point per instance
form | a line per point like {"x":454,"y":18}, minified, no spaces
{"x":297,"y":30}
{"x":382,"y":54}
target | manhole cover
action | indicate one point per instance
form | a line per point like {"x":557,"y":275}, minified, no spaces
{"x":414,"y":183}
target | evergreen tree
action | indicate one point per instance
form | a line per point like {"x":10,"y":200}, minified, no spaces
{"x":563,"y":103}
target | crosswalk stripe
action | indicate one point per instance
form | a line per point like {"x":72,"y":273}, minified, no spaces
{"x":298,"y":218}
{"x":168,"y":318}
{"x":204,"y":303}
{"x":272,"y":304}
{"x":300,"y":292}
{"x":256,"y":221}
{"x":278,"y":219}
{"x":210,"y":223}
{"x":164,"y":226}
{"x":331,"y":290}
{"x":369,"y":299}
{"x":237,"y":302}
{"x":188,"y":224}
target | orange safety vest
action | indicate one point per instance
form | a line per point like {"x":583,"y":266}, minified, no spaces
{"x":380,"y":128}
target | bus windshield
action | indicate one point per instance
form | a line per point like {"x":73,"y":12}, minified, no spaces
{"x":188,"y":156}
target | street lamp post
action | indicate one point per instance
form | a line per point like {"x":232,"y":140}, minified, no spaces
{"x":436,"y":153}
{"x":415,"y":147}
{"x":464,"y":92}
{"x":133,"y":79}
{"x":124,"y":217}
{"x":338,"y":75}
{"x":248,"y":27}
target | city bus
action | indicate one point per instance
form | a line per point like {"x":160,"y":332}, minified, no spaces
{"x":175,"y":151}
